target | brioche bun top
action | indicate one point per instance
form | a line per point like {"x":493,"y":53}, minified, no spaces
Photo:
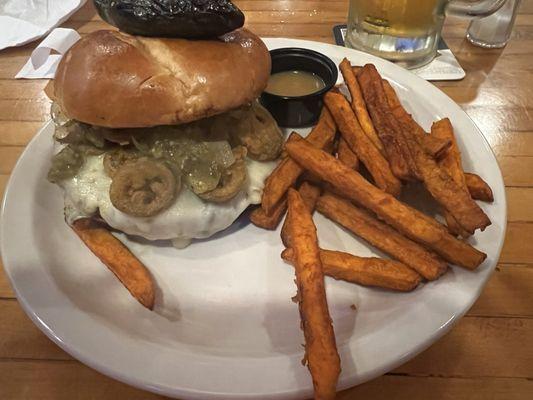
{"x":116,"y":80}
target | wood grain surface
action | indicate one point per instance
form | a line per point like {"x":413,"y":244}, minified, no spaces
{"x":488,"y":355}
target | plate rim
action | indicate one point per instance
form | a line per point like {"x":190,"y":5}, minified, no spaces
{"x":297,"y":392}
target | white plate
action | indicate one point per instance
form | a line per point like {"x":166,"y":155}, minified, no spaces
{"x":225,"y":325}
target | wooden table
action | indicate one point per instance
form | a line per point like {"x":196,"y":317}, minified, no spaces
{"x":488,"y":355}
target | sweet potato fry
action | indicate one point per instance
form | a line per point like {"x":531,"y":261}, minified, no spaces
{"x":381,"y":235}
{"x":360,"y":144}
{"x":320,"y":348}
{"x":395,"y":144}
{"x":451,"y":160}
{"x":311,"y":178}
{"x":356,"y":69}
{"x":436,"y":177}
{"x":259,"y":218}
{"x":453,"y":226}
{"x":346,"y":155}
{"x":447,"y":193}
{"x":478,"y":188}
{"x":358,"y":104}
{"x":115,"y":256}
{"x":392,"y":97}
{"x":289,"y":138}
{"x":451,"y":163}
{"x":408,"y":221}
{"x":431,"y":144}
{"x":310,"y":195}
{"x":367,"y":271}
{"x":287,"y":172}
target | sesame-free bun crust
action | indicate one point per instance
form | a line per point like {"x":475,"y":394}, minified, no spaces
{"x":116,"y":80}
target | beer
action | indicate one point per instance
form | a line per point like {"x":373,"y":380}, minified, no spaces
{"x":401,"y":30}
{"x":401,"y":18}
{"x":406,"y":31}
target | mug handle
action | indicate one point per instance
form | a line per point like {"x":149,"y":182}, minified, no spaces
{"x":469,"y":9}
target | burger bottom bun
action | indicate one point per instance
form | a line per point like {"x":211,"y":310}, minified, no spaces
{"x":187,"y":218}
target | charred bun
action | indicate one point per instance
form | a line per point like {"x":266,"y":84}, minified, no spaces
{"x":116,"y":80}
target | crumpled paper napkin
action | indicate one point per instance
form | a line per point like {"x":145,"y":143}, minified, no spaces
{"x":45,"y":58}
{"x":22,"y":21}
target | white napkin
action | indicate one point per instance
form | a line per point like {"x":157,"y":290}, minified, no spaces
{"x":42,"y":63}
{"x":22,"y":21}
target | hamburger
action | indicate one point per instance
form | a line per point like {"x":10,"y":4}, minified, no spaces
{"x":162,"y":138}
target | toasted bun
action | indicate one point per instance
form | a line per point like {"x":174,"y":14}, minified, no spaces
{"x":116,"y":80}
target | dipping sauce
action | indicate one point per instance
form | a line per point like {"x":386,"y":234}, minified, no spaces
{"x":294,"y":83}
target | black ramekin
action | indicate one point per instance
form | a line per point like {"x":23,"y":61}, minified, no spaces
{"x":299,"y":111}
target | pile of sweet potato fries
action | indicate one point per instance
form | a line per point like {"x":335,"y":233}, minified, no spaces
{"x":352,"y":168}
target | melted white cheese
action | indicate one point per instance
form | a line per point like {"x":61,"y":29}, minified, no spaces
{"x":189,"y":217}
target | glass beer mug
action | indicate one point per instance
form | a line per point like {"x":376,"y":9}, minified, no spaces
{"x":406,"y":31}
